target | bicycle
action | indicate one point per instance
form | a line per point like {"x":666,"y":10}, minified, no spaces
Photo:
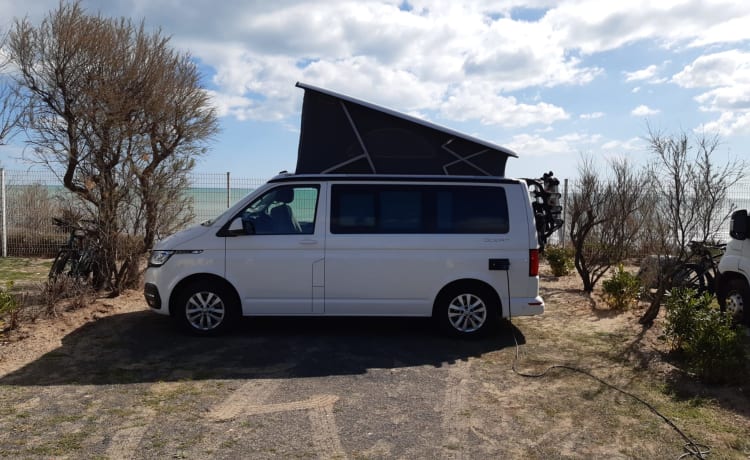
{"x":78,"y":256}
{"x":545,"y":203}
{"x":701,"y":270}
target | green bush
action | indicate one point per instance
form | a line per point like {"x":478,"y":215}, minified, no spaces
{"x":712,"y":346}
{"x":681,"y":317}
{"x":621,"y":291}
{"x":9,"y":308}
{"x":560,"y":260}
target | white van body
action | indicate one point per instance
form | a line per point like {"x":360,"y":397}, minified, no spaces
{"x":733,"y":283}
{"x":341,"y":245}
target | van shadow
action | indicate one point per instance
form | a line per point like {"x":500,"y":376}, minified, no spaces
{"x":141,"y":347}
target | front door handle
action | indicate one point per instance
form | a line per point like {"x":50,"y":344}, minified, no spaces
{"x":308,"y":241}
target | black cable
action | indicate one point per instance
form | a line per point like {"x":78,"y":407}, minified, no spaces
{"x":692,"y":449}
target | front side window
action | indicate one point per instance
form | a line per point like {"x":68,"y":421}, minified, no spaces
{"x":284,"y":210}
{"x":370,"y":208}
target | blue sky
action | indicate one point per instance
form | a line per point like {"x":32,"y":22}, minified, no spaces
{"x":551,"y":80}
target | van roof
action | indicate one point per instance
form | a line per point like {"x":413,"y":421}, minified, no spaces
{"x":288,"y":177}
{"x":341,"y":134}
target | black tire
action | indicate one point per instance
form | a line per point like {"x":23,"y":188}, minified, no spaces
{"x":61,"y":264}
{"x":690,"y":276}
{"x":467,"y":310}
{"x":205,"y":308}
{"x":735,"y":300}
{"x":84,"y":266}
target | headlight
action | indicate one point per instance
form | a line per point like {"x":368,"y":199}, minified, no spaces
{"x":159,"y":258}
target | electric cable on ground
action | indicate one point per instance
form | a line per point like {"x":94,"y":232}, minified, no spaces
{"x":692,"y":449}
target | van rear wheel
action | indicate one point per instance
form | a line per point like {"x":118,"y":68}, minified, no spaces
{"x":466,"y":310}
{"x":205,"y":308}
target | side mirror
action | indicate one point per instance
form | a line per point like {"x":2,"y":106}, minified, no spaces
{"x":738,"y":225}
{"x":238,"y":227}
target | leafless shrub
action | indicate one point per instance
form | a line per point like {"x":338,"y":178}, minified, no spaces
{"x":605,"y":218}
{"x":120,"y":117}
{"x":11,"y":101}
{"x":31,"y":207}
{"x":65,"y":293}
{"x":688,"y":190}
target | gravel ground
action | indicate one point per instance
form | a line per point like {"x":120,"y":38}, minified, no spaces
{"x":116,"y":381}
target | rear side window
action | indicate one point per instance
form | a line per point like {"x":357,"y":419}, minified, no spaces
{"x":377,"y":209}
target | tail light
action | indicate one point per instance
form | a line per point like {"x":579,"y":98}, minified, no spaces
{"x":533,"y":262}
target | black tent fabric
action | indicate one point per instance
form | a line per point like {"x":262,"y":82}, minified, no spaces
{"x":343,"y":135}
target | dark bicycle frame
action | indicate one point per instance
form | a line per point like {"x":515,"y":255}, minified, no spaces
{"x":77,"y":257}
{"x":700,"y":271}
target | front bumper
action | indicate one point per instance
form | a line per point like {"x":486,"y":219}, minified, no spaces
{"x":151,"y":292}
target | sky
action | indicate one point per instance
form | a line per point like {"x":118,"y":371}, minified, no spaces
{"x":554,"y":81}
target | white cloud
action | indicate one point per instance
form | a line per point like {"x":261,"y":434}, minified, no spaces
{"x":237,"y":106}
{"x":468,"y":60}
{"x":733,"y":30}
{"x":643,"y":110}
{"x":591,"y":116}
{"x":580,"y":138}
{"x":364,"y":78}
{"x":517,"y":54}
{"x":731,"y":98}
{"x":408,"y":60}
{"x":728,"y":123}
{"x":567,"y":144}
{"x":537,"y":145}
{"x":718,"y":69}
{"x":594,"y":26}
{"x":481,"y":102}
{"x":727,"y":74}
{"x":649,"y":74}
{"x":629,"y":145}
{"x":643,"y":74}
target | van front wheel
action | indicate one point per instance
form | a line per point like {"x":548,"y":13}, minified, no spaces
{"x":205,"y":308}
{"x":735,"y":301}
{"x":466,"y":310}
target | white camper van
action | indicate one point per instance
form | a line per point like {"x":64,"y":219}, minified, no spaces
{"x":462,"y":250}
{"x":733,"y":284}
{"x":386,"y":215}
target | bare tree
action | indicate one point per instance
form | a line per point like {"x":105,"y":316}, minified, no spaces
{"x":10,"y":98}
{"x":120,"y":117}
{"x":689,"y":191}
{"x":605,"y":218}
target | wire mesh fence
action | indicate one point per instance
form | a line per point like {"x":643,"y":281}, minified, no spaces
{"x":32,"y":198}
{"x":738,"y":197}
{"x":213,"y":193}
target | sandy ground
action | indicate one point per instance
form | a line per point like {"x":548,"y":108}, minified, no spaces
{"x":32,"y":340}
{"x":115,"y":381}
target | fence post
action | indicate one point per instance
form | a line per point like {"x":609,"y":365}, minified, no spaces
{"x":5,"y":222}
{"x":227,"y":189}
{"x":564,"y":212}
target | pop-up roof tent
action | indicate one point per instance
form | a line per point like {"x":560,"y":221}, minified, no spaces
{"x":343,"y":135}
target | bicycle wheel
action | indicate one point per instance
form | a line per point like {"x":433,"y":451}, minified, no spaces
{"x":62,"y":263}
{"x":690,"y":276}
{"x":83,"y":265}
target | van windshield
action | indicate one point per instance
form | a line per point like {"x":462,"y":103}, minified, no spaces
{"x":210,"y":222}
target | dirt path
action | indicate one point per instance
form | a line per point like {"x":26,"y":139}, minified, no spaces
{"x":116,"y":381}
